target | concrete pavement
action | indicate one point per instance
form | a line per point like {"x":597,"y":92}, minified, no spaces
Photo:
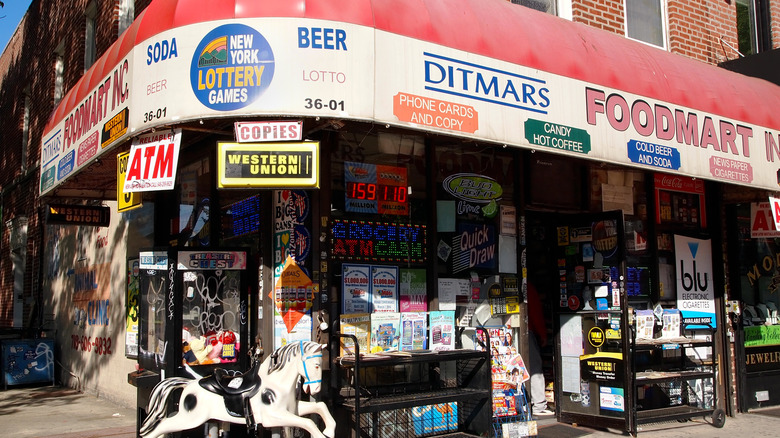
{"x":51,"y":411}
{"x":55,"y":412}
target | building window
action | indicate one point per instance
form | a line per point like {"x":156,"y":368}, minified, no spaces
{"x":126,"y":14}
{"x":646,"y":21}
{"x":25,"y":129}
{"x":753,"y":26}
{"x":90,"y":47}
{"x":59,"y":73}
{"x":546,"y":6}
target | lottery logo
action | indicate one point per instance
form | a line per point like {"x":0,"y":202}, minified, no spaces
{"x":231,"y":67}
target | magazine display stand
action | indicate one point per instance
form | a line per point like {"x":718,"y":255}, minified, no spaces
{"x":413,"y":393}
{"x":674,"y":378}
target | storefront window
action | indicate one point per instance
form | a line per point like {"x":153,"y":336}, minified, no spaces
{"x":240,"y":218}
{"x":379,"y":176}
{"x":211,"y":316}
{"x":754,"y":265}
{"x":194,"y":204}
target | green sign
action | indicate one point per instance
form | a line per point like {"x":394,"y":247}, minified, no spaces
{"x":555,"y":136}
{"x":762,"y":335}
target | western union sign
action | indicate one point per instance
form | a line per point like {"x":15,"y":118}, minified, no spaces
{"x":268,"y":165}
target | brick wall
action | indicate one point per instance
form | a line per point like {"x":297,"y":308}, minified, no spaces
{"x":694,"y":27}
{"x":601,"y":14}
{"x":774,"y":13}
{"x":28,"y":64}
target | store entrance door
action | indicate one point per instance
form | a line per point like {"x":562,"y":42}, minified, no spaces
{"x":581,"y":267}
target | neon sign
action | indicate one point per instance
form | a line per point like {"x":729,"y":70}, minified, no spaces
{"x":378,"y":241}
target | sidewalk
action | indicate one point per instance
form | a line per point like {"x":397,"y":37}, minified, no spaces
{"x":51,"y":411}
{"x":754,"y":424}
{"x":55,"y":412}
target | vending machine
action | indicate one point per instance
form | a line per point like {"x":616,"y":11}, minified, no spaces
{"x":193,"y":309}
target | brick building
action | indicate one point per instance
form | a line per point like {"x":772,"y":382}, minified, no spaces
{"x":46,"y":71}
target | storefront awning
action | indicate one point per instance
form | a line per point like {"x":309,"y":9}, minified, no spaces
{"x":483,"y":69}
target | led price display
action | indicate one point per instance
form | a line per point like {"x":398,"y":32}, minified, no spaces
{"x":241,"y":218}
{"x":374,"y":188}
{"x":376,"y":192}
{"x":378,"y":241}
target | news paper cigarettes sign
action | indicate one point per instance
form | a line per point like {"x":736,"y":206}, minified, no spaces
{"x":153,"y":161}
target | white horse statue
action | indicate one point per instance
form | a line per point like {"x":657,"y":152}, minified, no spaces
{"x":265,"y":394}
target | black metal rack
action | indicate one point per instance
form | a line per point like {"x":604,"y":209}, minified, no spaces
{"x":381,"y":393}
{"x":673,"y":396}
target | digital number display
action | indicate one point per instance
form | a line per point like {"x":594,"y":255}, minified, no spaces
{"x":376,"y":192}
{"x":375,"y":188}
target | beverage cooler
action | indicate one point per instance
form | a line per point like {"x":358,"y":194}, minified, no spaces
{"x":194,"y":309}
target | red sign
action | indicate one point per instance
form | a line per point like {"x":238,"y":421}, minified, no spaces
{"x":153,"y":161}
{"x":251,"y":132}
{"x":427,"y":111}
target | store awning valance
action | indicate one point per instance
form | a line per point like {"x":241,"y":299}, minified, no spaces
{"x":495,"y":71}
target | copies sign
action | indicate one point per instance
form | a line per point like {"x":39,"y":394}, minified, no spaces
{"x":153,"y":161}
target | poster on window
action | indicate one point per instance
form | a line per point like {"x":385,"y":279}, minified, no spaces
{"x":356,"y":287}
{"x":442,"y":330}
{"x":413,"y":296}
{"x":414,"y":331}
{"x":384,"y":288}
{"x":695,"y":289}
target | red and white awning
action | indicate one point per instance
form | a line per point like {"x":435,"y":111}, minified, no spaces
{"x":483,"y":69}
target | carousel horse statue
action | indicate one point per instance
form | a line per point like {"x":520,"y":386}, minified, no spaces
{"x":265,"y":394}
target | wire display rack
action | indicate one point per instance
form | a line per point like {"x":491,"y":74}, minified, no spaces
{"x":523,"y":414}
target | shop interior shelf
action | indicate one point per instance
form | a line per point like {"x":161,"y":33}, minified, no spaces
{"x":670,"y":413}
{"x":396,"y":401}
{"x":645,"y":377}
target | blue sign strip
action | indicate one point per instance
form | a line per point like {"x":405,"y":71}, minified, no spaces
{"x":655,"y":155}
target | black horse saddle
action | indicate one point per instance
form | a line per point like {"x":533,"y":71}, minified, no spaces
{"x":235,"y":387}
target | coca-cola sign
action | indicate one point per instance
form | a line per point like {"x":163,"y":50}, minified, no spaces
{"x":679,"y":183}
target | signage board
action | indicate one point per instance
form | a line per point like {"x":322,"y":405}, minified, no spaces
{"x":256,"y":132}
{"x":153,"y":161}
{"x":60,"y":214}
{"x":378,"y":241}
{"x":300,"y":67}
{"x":268,"y":165}
{"x":695,"y":285}
{"x":124,"y":201}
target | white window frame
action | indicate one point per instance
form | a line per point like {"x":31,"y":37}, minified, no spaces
{"x":565,"y":9}
{"x":59,"y":73}
{"x":25,"y":129}
{"x":664,"y":25}
{"x":751,"y":5}
{"x":126,"y":15}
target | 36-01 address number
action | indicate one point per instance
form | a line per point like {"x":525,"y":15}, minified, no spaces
{"x":319,"y":104}
{"x":154,"y":115}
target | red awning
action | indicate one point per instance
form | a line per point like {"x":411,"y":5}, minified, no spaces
{"x":493,"y":28}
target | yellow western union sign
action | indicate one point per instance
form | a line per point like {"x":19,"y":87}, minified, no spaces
{"x":268,"y":165}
